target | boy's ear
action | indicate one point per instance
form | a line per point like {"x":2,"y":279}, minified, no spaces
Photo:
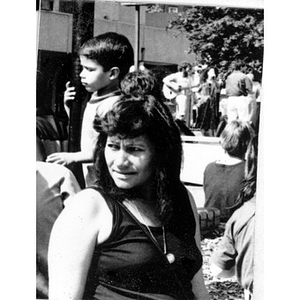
{"x":114,"y":73}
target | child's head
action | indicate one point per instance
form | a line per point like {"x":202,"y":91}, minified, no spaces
{"x":109,"y":50}
{"x":235,"y":138}
{"x":137,"y":83}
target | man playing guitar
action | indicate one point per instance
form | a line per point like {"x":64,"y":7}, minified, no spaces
{"x":178,"y":85}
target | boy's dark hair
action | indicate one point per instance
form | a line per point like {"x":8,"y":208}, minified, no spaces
{"x":130,"y":118}
{"x":139,"y":83}
{"x":110,"y":50}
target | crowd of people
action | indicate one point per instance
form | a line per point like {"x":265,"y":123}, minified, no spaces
{"x":206,"y":101}
{"x":133,"y":232}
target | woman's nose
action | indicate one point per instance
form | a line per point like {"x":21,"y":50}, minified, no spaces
{"x":121,"y":159}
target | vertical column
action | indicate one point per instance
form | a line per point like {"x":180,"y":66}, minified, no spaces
{"x":137,"y":37}
{"x":81,"y":32}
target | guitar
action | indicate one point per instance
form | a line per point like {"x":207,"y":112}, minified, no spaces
{"x":168,"y":92}
{"x":171,"y":91}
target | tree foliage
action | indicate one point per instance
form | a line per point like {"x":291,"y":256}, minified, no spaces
{"x":222,"y":35}
{"x":154,"y":8}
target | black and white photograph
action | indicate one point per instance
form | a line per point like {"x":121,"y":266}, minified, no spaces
{"x":150,"y":150}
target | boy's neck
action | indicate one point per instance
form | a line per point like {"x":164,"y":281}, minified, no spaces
{"x":227,"y":159}
{"x":108,"y":89}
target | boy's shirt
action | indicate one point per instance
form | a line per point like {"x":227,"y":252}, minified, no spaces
{"x":99,"y":105}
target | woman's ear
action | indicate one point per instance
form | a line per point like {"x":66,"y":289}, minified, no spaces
{"x":114,"y":73}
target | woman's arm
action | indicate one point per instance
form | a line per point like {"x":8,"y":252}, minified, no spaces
{"x":84,"y":223}
{"x":199,"y":287}
{"x":218,"y":272}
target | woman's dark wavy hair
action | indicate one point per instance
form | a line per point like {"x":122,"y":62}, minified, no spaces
{"x":204,"y":74}
{"x":248,"y":189}
{"x":132,"y":117}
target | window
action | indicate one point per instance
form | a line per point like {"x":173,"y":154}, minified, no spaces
{"x":173,"y":9}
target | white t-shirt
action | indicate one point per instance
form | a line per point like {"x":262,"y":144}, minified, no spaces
{"x":100,"y":106}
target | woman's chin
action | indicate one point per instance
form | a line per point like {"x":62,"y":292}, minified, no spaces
{"x":123,"y":185}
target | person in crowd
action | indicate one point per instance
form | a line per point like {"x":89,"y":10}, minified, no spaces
{"x":234,"y":255}
{"x":195,"y":95}
{"x":208,"y":102}
{"x":179,"y":85}
{"x":140,"y":82}
{"x":105,"y":60}
{"x":222,"y":103}
{"x":255,"y":77}
{"x":54,"y":186}
{"x":222,"y":179}
{"x":239,"y":90}
{"x":135,"y":234}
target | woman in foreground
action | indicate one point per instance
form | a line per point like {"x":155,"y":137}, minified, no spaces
{"x":136,"y":234}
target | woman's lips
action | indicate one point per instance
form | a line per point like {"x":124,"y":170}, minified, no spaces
{"x":123,"y":173}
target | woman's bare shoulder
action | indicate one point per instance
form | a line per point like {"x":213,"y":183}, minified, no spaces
{"x":87,"y":200}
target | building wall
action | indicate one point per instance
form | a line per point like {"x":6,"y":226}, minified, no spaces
{"x":54,"y":31}
{"x":161,"y":46}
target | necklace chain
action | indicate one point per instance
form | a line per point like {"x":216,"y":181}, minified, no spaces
{"x":148,"y":228}
{"x":170,"y":256}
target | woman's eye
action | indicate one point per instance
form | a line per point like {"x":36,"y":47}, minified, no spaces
{"x":113,"y":146}
{"x":135,"y":149}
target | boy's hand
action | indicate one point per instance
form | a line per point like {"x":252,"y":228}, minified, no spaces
{"x":61,"y":158}
{"x":69,"y":95}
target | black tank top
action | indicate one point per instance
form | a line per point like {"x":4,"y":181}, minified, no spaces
{"x":129,"y":266}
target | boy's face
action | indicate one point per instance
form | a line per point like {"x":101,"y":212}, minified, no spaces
{"x":93,"y":78}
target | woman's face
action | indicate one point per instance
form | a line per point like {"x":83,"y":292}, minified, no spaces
{"x":130,"y":161}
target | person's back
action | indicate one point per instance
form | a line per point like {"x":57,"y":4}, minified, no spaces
{"x":54,"y":185}
{"x":239,"y":91}
{"x":223,"y":178}
{"x":222,"y":183}
{"x":238,"y":84}
{"x":105,"y":60}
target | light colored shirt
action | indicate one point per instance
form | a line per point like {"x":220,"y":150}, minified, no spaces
{"x":99,"y":105}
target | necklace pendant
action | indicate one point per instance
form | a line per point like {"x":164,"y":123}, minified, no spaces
{"x":170,"y":257}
